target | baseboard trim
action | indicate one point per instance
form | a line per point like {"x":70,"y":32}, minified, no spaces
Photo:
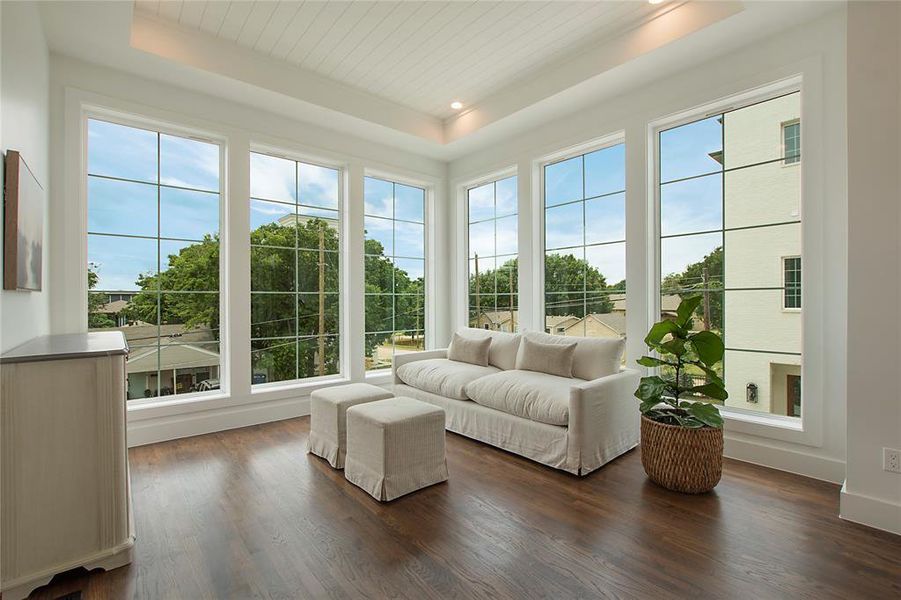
{"x":172,"y":427}
{"x":785,"y":459}
{"x":869,"y":511}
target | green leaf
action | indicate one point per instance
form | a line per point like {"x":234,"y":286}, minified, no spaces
{"x":650,"y":361}
{"x":651,"y":388}
{"x":648,"y":405}
{"x":686,"y":309}
{"x":712,"y":376}
{"x":706,"y":413}
{"x":711,"y":390}
{"x":709,"y":347}
{"x":658,"y":332}
{"x":674,"y":346}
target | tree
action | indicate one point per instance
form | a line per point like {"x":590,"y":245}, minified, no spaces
{"x":96,"y":301}
{"x":564,"y":278}
{"x":704,"y":277}
{"x":285,"y":321}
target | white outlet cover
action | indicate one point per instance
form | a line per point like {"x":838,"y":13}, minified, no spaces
{"x":891,"y":460}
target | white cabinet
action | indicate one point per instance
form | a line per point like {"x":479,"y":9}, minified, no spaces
{"x":64,"y":487}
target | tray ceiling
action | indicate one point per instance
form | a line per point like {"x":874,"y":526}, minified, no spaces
{"x":418,"y":54}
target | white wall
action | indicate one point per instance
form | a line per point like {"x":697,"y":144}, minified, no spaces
{"x":75,"y":84}
{"x":871,"y":495}
{"x":24,"y":89}
{"x":816,"y":51}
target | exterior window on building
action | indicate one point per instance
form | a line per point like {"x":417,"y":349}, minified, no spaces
{"x":791,"y":142}
{"x":585,"y":244}
{"x":395,"y":266}
{"x":729,"y":214}
{"x":792,"y":278}
{"x":295,"y":245}
{"x":153,"y":254}
{"x":492,"y":242}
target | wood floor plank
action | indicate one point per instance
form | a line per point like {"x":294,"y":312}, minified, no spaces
{"x":248,"y":513}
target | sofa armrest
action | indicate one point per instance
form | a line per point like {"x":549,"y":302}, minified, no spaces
{"x":402,"y":359}
{"x":603,"y":418}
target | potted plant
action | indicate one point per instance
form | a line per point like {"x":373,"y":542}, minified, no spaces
{"x":681,"y":429}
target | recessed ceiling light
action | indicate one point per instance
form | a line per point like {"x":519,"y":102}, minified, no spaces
{"x":456,"y":105}
{"x":655,"y":1}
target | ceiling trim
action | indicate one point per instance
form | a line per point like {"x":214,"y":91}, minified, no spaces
{"x":666,"y":27}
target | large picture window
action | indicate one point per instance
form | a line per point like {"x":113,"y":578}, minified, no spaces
{"x":395,"y":270}
{"x":492,"y":242}
{"x":729,"y":215}
{"x":585,"y":245}
{"x":294,"y":269}
{"x":153,"y":254}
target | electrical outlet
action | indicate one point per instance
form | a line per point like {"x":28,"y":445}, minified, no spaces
{"x":891,"y":460}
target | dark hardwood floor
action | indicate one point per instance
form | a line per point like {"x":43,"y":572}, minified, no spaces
{"x":248,"y":514}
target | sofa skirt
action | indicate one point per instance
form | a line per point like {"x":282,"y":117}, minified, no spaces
{"x":541,"y":442}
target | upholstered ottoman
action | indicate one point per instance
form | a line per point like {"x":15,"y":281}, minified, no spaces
{"x":395,"y":447}
{"x":327,"y":418}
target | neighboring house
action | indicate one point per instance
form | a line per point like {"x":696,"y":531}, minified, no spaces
{"x":181,"y":363}
{"x":763,"y":325}
{"x":612,"y":324}
{"x":115,"y":310}
{"x":498,"y":320}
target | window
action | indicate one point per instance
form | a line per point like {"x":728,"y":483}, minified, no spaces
{"x":492,"y":237}
{"x":153,"y":254}
{"x":729,"y":213}
{"x":791,"y":142}
{"x":791,"y":268}
{"x":294,"y":269}
{"x":585,"y":247}
{"x":395,"y":270}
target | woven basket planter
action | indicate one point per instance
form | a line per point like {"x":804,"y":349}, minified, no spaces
{"x":682,"y":459}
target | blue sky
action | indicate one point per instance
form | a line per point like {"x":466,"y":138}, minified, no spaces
{"x":134,"y":208}
{"x":395,"y":216}
{"x":395,"y":212}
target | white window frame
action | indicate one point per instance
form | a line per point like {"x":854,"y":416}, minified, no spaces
{"x":808,"y":429}
{"x":600,"y":143}
{"x":429,"y":186}
{"x":162,"y":126}
{"x":461,"y":316}
{"x":782,"y":261}
{"x":796,"y":159}
{"x":344,"y":346}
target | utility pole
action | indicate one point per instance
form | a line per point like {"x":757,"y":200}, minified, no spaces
{"x":478,"y":300}
{"x":706,"y":299}
{"x":321,"y":298}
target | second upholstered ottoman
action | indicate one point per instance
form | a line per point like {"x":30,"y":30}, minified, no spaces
{"x":395,"y":447}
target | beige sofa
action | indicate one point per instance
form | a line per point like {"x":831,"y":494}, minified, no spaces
{"x":575,"y":424}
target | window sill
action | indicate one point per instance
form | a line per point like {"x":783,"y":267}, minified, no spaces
{"x":138,"y":405}
{"x":311,"y":383}
{"x":764,"y":419}
{"x":774,"y":427}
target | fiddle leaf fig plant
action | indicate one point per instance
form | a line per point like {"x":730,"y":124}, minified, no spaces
{"x":672,"y":397}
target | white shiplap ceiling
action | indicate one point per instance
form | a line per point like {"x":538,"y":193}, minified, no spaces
{"x":419,"y":54}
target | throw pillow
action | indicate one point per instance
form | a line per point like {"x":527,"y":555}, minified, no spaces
{"x":469,"y":350}
{"x":553,"y":359}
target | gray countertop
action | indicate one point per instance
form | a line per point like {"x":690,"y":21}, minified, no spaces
{"x":74,"y":345}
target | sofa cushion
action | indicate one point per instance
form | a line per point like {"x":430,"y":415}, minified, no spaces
{"x":442,"y":376}
{"x":593,"y":358}
{"x":502,"y":353}
{"x":469,"y":349}
{"x":528,"y":394}
{"x":553,"y":359}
